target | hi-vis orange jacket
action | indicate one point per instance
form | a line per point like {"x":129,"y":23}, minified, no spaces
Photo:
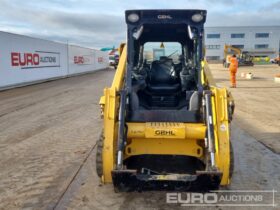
{"x":233,"y":64}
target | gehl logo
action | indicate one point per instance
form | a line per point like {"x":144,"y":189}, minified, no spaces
{"x":164,"y":133}
{"x":164,"y":17}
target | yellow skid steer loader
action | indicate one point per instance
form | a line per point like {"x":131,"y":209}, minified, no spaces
{"x":166,"y":123}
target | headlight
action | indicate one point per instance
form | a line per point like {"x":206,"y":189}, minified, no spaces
{"x":133,"y":17}
{"x":197,"y":18}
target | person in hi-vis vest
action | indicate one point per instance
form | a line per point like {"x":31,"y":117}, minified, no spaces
{"x":233,"y":69}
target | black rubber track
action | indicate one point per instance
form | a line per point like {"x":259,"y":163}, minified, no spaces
{"x":231,"y":166}
{"x":99,"y":159}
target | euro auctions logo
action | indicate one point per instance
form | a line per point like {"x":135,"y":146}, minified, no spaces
{"x":82,"y":60}
{"x":100,"y":60}
{"x":249,"y":198}
{"x":79,"y":59}
{"x":37,"y":59}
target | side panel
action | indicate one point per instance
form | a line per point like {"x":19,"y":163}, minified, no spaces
{"x":80,"y":59}
{"x":25,"y":59}
{"x":101,"y":59}
{"x":83,"y":59}
{"x":109,"y":154}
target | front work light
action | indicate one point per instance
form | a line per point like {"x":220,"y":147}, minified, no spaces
{"x":133,"y":17}
{"x":197,"y":17}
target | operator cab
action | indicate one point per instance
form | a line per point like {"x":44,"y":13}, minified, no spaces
{"x":163,"y":73}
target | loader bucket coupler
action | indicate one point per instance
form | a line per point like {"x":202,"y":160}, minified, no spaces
{"x":129,"y":180}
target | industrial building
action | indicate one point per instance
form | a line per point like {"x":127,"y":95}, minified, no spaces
{"x":260,"y":41}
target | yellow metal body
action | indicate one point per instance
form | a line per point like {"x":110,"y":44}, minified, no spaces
{"x":166,"y":130}
{"x":165,"y":138}
{"x":228,"y":49}
{"x":236,"y":51}
{"x":221,"y":98}
{"x":109,"y":105}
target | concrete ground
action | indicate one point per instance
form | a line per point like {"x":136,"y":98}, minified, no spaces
{"x":257,"y":102}
{"x":48,"y":134}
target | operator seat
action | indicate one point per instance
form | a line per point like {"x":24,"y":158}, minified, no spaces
{"x":163,"y":79}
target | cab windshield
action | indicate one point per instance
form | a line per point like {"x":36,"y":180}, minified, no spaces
{"x":155,"y":51}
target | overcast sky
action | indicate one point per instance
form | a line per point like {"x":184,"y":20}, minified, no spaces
{"x":100,"y":23}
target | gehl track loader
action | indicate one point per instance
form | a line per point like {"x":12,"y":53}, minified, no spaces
{"x":166,"y":124}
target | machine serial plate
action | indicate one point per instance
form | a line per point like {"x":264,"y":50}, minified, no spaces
{"x":165,"y":130}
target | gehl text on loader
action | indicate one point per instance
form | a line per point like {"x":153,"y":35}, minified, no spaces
{"x":166,"y":123}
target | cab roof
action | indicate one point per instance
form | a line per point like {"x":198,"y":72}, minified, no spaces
{"x":164,"y":25}
{"x":172,"y":16}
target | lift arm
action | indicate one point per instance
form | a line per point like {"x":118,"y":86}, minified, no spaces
{"x":109,"y":103}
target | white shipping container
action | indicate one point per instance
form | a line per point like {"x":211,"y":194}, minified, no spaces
{"x":101,"y":59}
{"x":26,"y":59}
{"x":80,"y":59}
